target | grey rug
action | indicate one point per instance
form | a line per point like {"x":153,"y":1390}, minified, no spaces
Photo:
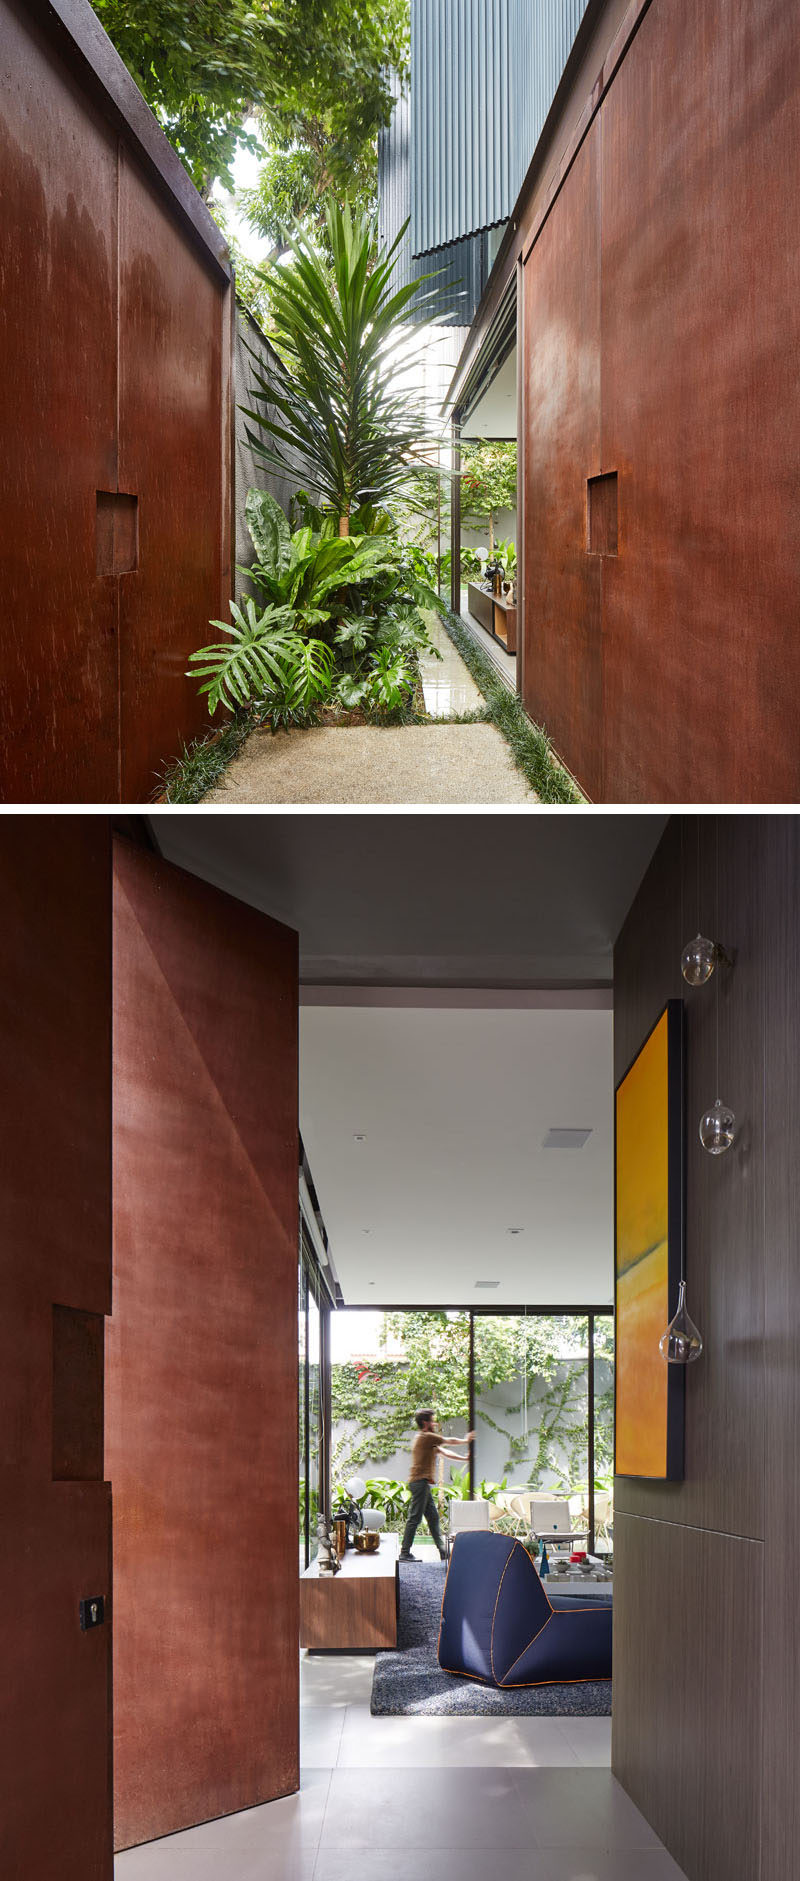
{"x":409,"y":1683}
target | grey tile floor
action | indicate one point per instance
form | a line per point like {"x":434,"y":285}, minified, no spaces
{"x":424,"y":1799}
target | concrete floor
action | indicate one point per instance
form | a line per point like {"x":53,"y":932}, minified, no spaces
{"x":367,"y":765}
{"x":423,"y":1799}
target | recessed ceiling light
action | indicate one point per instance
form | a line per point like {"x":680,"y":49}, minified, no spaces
{"x":565,"y":1139}
{"x":487,"y":1283}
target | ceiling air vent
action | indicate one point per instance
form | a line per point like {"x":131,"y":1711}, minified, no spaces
{"x":565,"y":1139}
{"x":487,"y":1283}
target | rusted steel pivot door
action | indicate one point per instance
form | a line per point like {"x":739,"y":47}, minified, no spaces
{"x":202,"y":1352}
{"x":55,"y":1275}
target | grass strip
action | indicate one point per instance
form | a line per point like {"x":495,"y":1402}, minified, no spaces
{"x":203,"y":762}
{"x":530,"y":746}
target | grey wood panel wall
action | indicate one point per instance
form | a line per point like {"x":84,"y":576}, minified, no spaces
{"x":712,"y":1764}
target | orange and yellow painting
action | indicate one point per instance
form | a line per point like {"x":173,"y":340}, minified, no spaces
{"x":642,"y":1259}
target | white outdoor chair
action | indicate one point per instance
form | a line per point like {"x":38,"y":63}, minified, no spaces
{"x":464,"y":1515}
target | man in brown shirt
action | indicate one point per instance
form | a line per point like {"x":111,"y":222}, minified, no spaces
{"x":427,"y":1445}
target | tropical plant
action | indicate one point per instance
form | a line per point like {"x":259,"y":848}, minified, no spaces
{"x":346,"y":418}
{"x":264,"y":658}
{"x":306,"y":569}
{"x":506,"y":553}
{"x":340,"y":618}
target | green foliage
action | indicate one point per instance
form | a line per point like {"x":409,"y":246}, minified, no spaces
{"x":339,"y":620}
{"x":317,"y":72}
{"x":506,"y":553}
{"x":488,"y":482}
{"x":264,"y":658}
{"x":309,"y":571}
{"x":341,"y":329}
{"x":381,"y":1398}
{"x":203,"y":762}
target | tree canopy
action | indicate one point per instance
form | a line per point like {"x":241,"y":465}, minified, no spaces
{"x":316,"y":73}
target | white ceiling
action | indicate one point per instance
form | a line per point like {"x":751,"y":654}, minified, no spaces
{"x":495,"y":415}
{"x":454,"y":1105}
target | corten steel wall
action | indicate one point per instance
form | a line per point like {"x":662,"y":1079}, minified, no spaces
{"x":55,"y":1177}
{"x":688,"y":241}
{"x":706,"y":1671}
{"x":115,"y":314}
{"x":202,"y":1352}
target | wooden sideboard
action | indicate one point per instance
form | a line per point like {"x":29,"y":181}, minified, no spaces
{"x":496,"y":614}
{"x":356,"y":1608}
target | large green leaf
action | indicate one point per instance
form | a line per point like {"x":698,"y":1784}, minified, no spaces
{"x":269,"y":529}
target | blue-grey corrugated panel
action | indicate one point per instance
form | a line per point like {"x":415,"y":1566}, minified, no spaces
{"x":483,"y":77}
{"x":461,"y":268}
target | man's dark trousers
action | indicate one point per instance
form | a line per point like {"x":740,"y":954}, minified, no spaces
{"x":423,"y":1508}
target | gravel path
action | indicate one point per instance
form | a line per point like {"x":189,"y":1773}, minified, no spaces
{"x":365,"y":765}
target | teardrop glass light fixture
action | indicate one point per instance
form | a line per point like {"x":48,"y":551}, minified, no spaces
{"x":698,"y":960}
{"x":681,"y":1344}
{"x":717,"y":1128}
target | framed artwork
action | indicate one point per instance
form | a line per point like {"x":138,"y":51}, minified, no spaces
{"x":649,"y":1209}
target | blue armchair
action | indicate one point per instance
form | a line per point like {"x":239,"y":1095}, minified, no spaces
{"x":499,"y":1624}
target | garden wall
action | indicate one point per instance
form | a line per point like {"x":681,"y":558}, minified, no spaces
{"x":115,"y":420}
{"x":250,"y":470}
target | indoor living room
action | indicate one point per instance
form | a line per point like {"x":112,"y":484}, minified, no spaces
{"x":286,"y":1304}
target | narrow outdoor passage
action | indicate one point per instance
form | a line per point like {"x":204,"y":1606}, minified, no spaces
{"x":441,"y":763}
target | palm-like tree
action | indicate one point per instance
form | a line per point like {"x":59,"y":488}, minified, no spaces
{"x":346,"y":419}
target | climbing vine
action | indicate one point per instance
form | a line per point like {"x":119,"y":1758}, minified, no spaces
{"x":530,"y":1387}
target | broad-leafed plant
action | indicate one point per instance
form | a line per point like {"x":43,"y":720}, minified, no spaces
{"x":264,"y":658}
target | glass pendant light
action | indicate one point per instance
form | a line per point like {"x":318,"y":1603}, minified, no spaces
{"x":681,"y":1344}
{"x":698,"y":960}
{"x":717,"y":1128}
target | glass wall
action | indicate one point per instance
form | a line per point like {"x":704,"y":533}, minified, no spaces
{"x":604,"y":1432}
{"x":532,"y":1402}
{"x":384,"y":1368}
{"x":302,"y":1387}
{"x":312,"y":1313}
{"x":522,"y":1378}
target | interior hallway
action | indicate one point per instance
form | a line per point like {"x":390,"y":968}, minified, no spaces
{"x":424,"y":1799}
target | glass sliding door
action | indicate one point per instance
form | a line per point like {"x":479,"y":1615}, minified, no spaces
{"x":312,"y":1314}
{"x":314,"y":1415}
{"x":302,"y":1415}
{"x":385,"y":1366}
{"x":604,"y":1433}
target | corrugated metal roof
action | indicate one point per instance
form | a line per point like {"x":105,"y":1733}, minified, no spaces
{"x":483,"y":77}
